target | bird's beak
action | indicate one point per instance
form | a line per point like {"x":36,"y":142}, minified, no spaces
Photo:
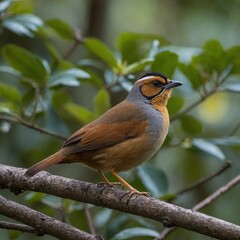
{"x":172,"y":84}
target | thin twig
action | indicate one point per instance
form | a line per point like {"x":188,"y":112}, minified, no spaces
{"x":89,"y":219}
{"x":32,"y":126}
{"x":193,"y":105}
{"x":77,"y":40}
{"x":205,"y":179}
{"x":217,"y":193}
{"x":222,"y":78}
{"x":205,"y":203}
{"x":234,"y":129}
{"x":16,"y":226}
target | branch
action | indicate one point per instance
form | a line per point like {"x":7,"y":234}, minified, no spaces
{"x":169,"y":214}
{"x":77,"y":40}
{"x":42,"y":223}
{"x":202,"y":180}
{"x":217,"y":194}
{"x":32,"y":126}
{"x":207,"y":201}
{"x":17,"y":226}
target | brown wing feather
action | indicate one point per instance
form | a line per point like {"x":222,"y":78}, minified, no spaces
{"x":111,"y":128}
{"x":104,"y":135}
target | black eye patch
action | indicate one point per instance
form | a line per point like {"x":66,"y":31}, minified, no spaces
{"x":157,"y":84}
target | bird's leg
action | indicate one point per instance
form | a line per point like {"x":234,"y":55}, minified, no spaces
{"x":127,"y":185}
{"x":107,"y":181}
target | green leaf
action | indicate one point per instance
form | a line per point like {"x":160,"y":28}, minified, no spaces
{"x":137,"y":66}
{"x":68,"y":77}
{"x":23,"y":24}
{"x":33,"y":197}
{"x":62,"y":28}
{"x":212,"y":59}
{"x":9,"y":108}
{"x":175,"y":103}
{"x":209,"y":147}
{"x":102,"y":217}
{"x":227,"y":141}
{"x":165,"y":62}
{"x":213,"y":47}
{"x":136,"y":46}
{"x":29,"y":64}
{"x":101,"y":50}
{"x":233,"y":54}
{"x":231,"y":87}
{"x":10,"y":70}
{"x":190,"y":125}
{"x":135,"y":232}
{"x":5,"y":5}
{"x":154,"y":179}
{"x":125,"y":83}
{"x":101,"y":102}
{"x":192,"y":74}
{"x":10,"y":93}
{"x":79,"y":112}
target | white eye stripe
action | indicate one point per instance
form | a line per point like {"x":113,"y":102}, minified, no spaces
{"x":149,"y":78}
{"x":145,"y":78}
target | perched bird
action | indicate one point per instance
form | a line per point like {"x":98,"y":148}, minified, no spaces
{"x":124,"y":136}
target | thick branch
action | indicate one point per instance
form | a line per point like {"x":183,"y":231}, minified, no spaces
{"x":42,"y":223}
{"x":168,"y":214}
{"x":205,"y":203}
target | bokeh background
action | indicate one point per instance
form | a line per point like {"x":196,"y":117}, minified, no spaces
{"x":184,"y":23}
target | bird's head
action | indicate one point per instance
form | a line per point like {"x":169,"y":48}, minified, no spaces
{"x":156,"y":88}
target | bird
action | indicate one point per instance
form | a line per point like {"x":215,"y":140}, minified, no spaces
{"x":123,"y":137}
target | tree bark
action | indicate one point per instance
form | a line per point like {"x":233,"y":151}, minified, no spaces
{"x":170,"y":215}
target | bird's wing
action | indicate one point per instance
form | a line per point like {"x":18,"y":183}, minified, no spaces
{"x":102,"y":135}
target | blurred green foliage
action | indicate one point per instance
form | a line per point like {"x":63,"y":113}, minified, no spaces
{"x":42,"y":86}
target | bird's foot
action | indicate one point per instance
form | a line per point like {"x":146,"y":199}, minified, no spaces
{"x":110,"y":184}
{"x":131,"y":192}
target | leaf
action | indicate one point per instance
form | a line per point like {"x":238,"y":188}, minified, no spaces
{"x":23,"y":24}
{"x":125,"y":83}
{"x":101,"y":50}
{"x":135,"y":46}
{"x":102,"y":217}
{"x":212,"y":59}
{"x":231,"y":87}
{"x":165,"y":62}
{"x":101,"y":102}
{"x":227,"y":141}
{"x":29,"y":64}
{"x":233,"y":54}
{"x":192,"y":74}
{"x":61,"y":28}
{"x":79,"y":112}
{"x":190,"y":125}
{"x":137,"y":66}
{"x":10,"y":70}
{"x":213,"y":47}
{"x":154,"y":179}
{"x":9,"y":108}
{"x":209,"y":147}
{"x":33,"y":197}
{"x":10,"y":93}
{"x":175,"y":103}
{"x":135,"y":232}
{"x":5,"y":5}
{"x":68,"y":77}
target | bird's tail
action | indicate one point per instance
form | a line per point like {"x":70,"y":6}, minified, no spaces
{"x":45,"y":163}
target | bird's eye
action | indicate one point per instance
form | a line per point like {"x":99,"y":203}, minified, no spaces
{"x":157,"y":83}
